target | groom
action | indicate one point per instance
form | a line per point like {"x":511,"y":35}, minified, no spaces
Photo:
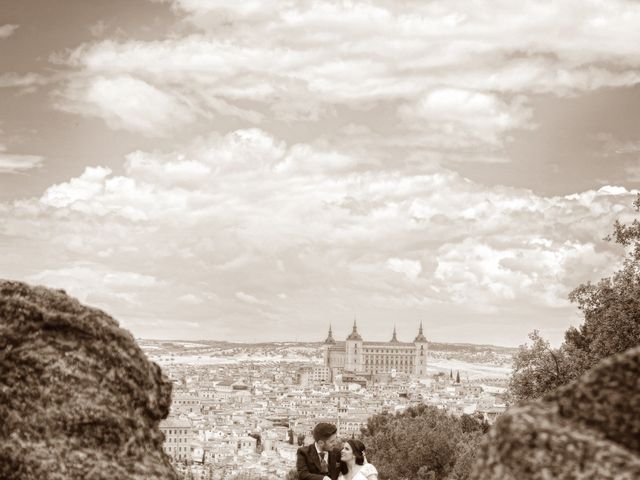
{"x":319,"y":461}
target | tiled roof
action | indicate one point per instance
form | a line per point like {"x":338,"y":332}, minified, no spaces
{"x":173,"y":422}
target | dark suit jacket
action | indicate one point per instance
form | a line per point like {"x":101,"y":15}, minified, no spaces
{"x":308,"y":464}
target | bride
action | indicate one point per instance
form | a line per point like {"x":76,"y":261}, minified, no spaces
{"x":353,"y":462}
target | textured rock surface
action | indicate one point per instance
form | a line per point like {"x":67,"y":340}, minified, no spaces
{"x":78,"y":398}
{"x":589,"y":429}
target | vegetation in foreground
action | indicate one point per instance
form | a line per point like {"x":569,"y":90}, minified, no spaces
{"x":611,"y":325}
{"x":423,"y":443}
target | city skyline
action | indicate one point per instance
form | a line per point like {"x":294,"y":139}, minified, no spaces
{"x":260,"y":171}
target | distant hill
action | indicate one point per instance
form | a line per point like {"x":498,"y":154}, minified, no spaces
{"x":448,"y":347}
{"x":433,"y":346}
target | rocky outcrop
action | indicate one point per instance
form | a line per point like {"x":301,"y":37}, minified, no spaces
{"x":78,"y":398}
{"x":587,"y":430}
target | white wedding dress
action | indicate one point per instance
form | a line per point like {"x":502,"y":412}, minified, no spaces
{"x":363,"y":474}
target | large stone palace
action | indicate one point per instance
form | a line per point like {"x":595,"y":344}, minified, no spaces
{"x":372,"y":359}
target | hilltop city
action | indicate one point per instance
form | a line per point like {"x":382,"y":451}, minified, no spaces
{"x":246,"y":408}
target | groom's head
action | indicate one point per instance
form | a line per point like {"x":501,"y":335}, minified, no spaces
{"x":326,"y":436}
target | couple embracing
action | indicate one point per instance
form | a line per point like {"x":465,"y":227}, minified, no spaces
{"x":329,"y":458}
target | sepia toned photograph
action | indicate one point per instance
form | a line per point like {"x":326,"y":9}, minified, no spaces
{"x":319,"y":240}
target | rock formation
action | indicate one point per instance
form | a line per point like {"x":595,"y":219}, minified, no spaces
{"x":586,"y":430}
{"x":78,"y":398}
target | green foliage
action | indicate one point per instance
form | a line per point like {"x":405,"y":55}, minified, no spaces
{"x":420,"y":443}
{"x":612,"y":317}
{"x":474,"y":424}
{"x":611,"y":310}
{"x":466,"y":456}
{"x":538,"y":369}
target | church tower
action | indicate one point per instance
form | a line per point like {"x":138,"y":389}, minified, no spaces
{"x":394,"y":339}
{"x":420,"y":358}
{"x":355,"y":357}
{"x":328,"y":343}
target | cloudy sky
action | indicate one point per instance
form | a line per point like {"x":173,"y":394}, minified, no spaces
{"x":258,"y":170}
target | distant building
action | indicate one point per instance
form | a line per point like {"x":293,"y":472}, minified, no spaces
{"x":321,"y":374}
{"x":313,"y":375}
{"x":349,"y":427}
{"x":185,"y":403}
{"x":178,"y":434}
{"x":376,"y":358}
{"x":473,"y":390}
{"x":247,"y":444}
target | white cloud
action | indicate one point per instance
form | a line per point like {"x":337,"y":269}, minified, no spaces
{"x":25,"y":81}
{"x":221,"y":216}
{"x":84,"y":187}
{"x":453,"y":114}
{"x":612,"y":190}
{"x":85,"y":281}
{"x":7,"y":30}
{"x":300,"y":153}
{"x":190,"y":298}
{"x":129,"y":279}
{"x":128,"y":103}
{"x":245,"y":297}
{"x":15,"y":163}
{"x":410,"y":268}
{"x":178,"y":171}
{"x":455,"y":75}
{"x":304,"y":158}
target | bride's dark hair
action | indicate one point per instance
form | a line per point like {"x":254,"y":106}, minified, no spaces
{"x":358,"y":449}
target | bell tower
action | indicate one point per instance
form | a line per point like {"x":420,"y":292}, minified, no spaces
{"x":354,"y":358}
{"x":328,"y":343}
{"x":420,"y":357}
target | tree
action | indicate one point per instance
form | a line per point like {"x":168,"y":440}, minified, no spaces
{"x":421,"y":442}
{"x":466,"y":457}
{"x":611,"y":307}
{"x":537,"y":369}
{"x":474,"y":423}
{"x":611,"y":310}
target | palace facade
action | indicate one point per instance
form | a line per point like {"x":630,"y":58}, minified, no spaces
{"x":376,"y":358}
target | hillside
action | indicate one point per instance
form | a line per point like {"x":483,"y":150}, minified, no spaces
{"x":474,"y":361}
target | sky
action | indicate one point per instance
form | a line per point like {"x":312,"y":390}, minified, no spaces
{"x":260,"y":170}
